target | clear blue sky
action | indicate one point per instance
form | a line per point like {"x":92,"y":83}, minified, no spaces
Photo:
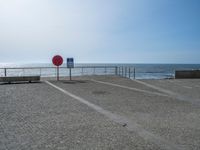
{"x":100,"y":31}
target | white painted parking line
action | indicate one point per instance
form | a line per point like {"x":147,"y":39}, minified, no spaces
{"x":130,"y":125}
{"x":155,"y":87}
{"x":178,"y":83}
{"x":171,"y":93}
{"x":187,"y":87}
{"x":129,"y":88}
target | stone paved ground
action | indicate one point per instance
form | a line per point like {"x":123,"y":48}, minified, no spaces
{"x":38,"y":116}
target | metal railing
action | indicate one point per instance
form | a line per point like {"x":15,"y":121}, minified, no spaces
{"x":64,"y":71}
{"x":126,"y":71}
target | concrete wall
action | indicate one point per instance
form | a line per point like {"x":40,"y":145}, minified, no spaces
{"x":20,"y":78}
{"x":184,"y":74}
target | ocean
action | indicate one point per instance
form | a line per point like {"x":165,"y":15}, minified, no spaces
{"x":142,"y":71}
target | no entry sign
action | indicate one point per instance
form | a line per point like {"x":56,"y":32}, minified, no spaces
{"x":57,"y":60}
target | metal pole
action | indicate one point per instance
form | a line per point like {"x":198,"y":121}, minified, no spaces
{"x":129,"y":72}
{"x":105,"y":70}
{"x":70,"y":74}
{"x":57,"y":73}
{"x":5,"y":72}
{"x":125,"y":71}
{"x":116,"y":71}
{"x":122,"y":71}
{"x":134,"y":73}
{"x":94,"y":70}
{"x":40,"y":71}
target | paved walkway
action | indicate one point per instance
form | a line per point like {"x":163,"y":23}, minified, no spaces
{"x":102,"y":113}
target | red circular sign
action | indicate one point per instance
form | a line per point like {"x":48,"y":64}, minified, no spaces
{"x":57,"y":60}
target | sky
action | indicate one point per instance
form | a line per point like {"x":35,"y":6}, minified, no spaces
{"x":100,"y":31}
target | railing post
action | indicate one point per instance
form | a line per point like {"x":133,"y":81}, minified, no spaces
{"x":116,"y":70}
{"x":122,"y":71}
{"x":105,"y":70}
{"x":5,"y":72}
{"x":125,"y":72}
{"x":40,"y":71}
{"x":134,"y":73}
{"x":129,"y":72}
{"x":94,"y":71}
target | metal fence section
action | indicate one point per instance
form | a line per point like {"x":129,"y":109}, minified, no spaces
{"x":133,"y":72}
{"x":126,"y":71}
{"x":63,"y":71}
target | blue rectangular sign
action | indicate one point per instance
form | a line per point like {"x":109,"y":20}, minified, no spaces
{"x":70,"y":62}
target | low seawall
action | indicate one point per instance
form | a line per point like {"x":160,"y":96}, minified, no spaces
{"x":185,"y":74}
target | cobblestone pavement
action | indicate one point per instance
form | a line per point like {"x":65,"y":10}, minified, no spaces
{"x":37,"y":116}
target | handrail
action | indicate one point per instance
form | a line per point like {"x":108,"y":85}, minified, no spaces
{"x":56,"y":67}
{"x":124,"y":71}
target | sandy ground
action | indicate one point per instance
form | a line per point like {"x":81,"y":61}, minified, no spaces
{"x":101,"y":112}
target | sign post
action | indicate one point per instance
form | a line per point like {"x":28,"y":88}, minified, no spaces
{"x":57,"y":61}
{"x":57,"y":73}
{"x":70,"y":65}
{"x":70,"y":74}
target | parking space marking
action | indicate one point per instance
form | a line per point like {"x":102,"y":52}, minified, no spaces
{"x":129,"y":88}
{"x":130,"y":125}
{"x":187,"y":87}
{"x":171,"y":93}
{"x":178,"y":83}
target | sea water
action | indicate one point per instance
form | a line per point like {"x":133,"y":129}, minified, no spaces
{"x":142,"y":71}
